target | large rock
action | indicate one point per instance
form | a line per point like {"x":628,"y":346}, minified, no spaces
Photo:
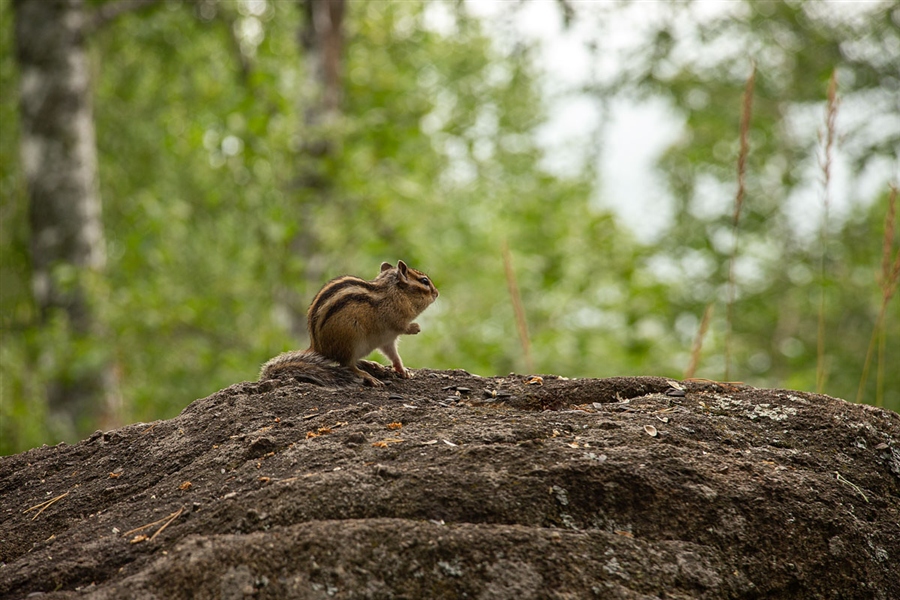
{"x":455,"y":486}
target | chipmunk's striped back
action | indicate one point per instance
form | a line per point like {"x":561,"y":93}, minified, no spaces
{"x":337,"y":295}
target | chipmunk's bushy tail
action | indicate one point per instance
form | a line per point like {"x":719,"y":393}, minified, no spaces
{"x":308,"y":366}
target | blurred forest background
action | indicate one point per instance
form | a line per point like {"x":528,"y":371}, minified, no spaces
{"x":179,"y":177}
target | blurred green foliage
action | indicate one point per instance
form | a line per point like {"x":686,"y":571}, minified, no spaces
{"x":222,"y":221}
{"x":795,"y":47}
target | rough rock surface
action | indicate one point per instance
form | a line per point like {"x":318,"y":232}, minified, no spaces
{"x":450,"y":485}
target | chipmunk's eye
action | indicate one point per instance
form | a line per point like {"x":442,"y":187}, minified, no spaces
{"x":423,"y":280}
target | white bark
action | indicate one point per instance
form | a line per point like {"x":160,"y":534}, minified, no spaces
{"x":59,"y":157}
{"x":58,"y":148}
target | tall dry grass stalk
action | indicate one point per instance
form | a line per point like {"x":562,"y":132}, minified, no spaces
{"x":698,"y":342}
{"x":830,"y":129}
{"x":518,"y":307}
{"x":888,"y":280}
{"x":746,"y":111}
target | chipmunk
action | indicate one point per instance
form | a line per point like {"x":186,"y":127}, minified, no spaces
{"x":349,"y":318}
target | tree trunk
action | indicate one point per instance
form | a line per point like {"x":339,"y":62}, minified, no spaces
{"x":59,"y":157}
{"x":321,"y":41}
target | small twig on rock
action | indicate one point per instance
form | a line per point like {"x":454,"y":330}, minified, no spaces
{"x":44,"y":505}
{"x":167,"y":519}
{"x":842,"y":479}
{"x":172,"y":517}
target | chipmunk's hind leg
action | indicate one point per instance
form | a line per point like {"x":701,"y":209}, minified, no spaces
{"x":368,"y":379}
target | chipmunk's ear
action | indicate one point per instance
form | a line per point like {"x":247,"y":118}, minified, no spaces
{"x":404,"y":270}
{"x":385,"y":266}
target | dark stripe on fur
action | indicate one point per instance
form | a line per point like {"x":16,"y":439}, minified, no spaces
{"x":344,"y":301}
{"x":331,"y":288}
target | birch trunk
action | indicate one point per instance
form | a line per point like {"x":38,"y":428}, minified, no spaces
{"x":59,"y":158}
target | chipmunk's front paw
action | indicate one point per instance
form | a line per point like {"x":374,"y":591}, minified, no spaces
{"x":413,"y":329}
{"x":401,"y":371}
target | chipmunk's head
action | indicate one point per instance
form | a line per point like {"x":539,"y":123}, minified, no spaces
{"x":411,"y":282}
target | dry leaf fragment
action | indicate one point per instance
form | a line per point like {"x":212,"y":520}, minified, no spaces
{"x":185,"y":486}
{"x":384,"y":443}
{"x":115,"y":475}
{"x":139,"y":538}
{"x":535,"y":381}
{"x":395,"y":425}
{"x":449,"y":443}
{"x":651,"y":430}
